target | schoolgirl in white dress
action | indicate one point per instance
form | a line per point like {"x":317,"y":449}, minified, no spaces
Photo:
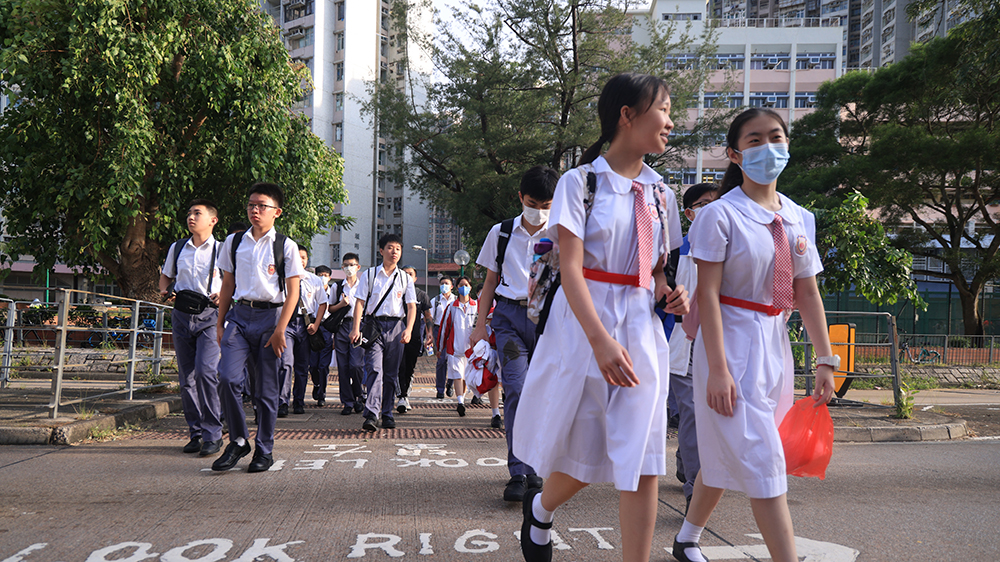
{"x":757,"y":258}
{"x":593,"y":407}
{"x":457,"y":323}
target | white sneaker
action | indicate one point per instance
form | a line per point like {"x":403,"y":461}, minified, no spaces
{"x":403,"y":405}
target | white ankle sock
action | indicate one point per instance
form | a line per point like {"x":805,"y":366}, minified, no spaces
{"x":691,"y":533}
{"x":496,"y":411}
{"x":241,"y":441}
{"x":540,"y":536}
{"x":461,"y":399}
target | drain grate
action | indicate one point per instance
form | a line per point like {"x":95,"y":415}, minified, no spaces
{"x":353,"y":434}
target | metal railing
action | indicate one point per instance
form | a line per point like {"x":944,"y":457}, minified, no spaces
{"x":888,"y":344}
{"x":829,"y":21}
{"x":136,"y":308}
{"x":8,"y":342}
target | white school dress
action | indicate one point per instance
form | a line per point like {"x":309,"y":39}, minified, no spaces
{"x":457,"y":324}
{"x":569,"y":419}
{"x":744,"y":452}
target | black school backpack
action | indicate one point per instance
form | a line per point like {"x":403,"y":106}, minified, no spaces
{"x":278,"y":249}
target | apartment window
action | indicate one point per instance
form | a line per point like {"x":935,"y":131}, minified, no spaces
{"x":384,"y":48}
{"x":338,"y":132}
{"x":682,"y":17}
{"x":734,"y":62}
{"x":339,"y":69}
{"x":769,"y":62}
{"x":385,"y":18}
{"x":306,"y":9}
{"x":381,"y":158}
{"x":308,"y":38}
{"x":339,"y":102}
{"x":334,"y":253}
{"x":769,"y":99}
{"x":339,"y":41}
{"x":340,"y":11}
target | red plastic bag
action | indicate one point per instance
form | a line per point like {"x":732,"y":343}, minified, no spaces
{"x":807,"y":437}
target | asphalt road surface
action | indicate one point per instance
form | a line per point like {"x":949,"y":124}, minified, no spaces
{"x":439,"y":499}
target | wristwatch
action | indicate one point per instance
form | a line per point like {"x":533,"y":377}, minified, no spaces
{"x":831,"y":360}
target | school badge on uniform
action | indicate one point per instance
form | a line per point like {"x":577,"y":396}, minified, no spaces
{"x":801,"y":245}
{"x":270,"y":269}
{"x":399,"y":294}
{"x":652,"y":211}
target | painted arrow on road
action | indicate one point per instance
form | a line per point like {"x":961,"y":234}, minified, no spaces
{"x":813,"y":551}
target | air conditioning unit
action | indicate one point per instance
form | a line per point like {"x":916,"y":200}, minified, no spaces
{"x":770,"y":100}
{"x":297,"y":32}
{"x":812,"y":98}
{"x":720,"y":175}
{"x":814,"y":61}
{"x":773,"y":62}
{"x":292,"y":4}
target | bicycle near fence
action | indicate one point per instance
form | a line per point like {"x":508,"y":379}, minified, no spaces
{"x":925,"y":355}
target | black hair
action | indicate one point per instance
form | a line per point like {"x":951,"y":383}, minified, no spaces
{"x":389,"y":238}
{"x":460,"y":278}
{"x":405,"y":267}
{"x":321,"y":269}
{"x":303,"y":249}
{"x":212,"y":209}
{"x":734,"y":174}
{"x":447,"y":278}
{"x":238,"y":227}
{"x":637,"y":91}
{"x":697,"y":191}
{"x":539,"y":183}
{"x":350,"y":256}
{"x":271,"y":190}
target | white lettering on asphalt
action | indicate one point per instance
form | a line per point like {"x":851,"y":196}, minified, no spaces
{"x":222,"y":547}
{"x":425,"y":544}
{"x":339,"y":450}
{"x":310,"y":465}
{"x":388,"y":545}
{"x":141,"y":552}
{"x":427,"y":463}
{"x":484,"y":546}
{"x":278,"y":465}
{"x":491,"y":461}
{"x":596,"y":533}
{"x":260,"y":549}
{"x":408,"y":450}
{"x":358,"y":463}
{"x":19,"y":555}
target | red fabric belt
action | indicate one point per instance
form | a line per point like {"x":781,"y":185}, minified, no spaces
{"x":605,"y":277}
{"x":754,"y":306}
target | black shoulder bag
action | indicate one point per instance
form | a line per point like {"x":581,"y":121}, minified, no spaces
{"x":370,"y":330}
{"x":193,"y":302}
{"x":336,"y":318}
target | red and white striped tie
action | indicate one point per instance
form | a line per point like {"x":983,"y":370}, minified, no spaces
{"x":783,"y":296}
{"x":644,"y":233}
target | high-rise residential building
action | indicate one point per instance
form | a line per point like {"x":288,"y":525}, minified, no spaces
{"x":445,"y":236}
{"x":348,"y":45}
{"x":777,"y":60}
{"x":886,"y":31}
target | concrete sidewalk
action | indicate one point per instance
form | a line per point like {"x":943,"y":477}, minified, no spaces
{"x":24,"y":413}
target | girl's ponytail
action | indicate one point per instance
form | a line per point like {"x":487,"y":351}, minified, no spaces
{"x":734,"y":174}
{"x":733,"y":178}
{"x":592,"y":153}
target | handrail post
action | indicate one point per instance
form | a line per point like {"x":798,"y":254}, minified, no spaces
{"x":133,"y":337}
{"x":8,"y":344}
{"x":158,"y":344}
{"x":897,"y":391}
{"x":60,"y":353}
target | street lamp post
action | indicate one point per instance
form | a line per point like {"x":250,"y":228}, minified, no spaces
{"x":427,"y":274}
{"x":461,"y":259}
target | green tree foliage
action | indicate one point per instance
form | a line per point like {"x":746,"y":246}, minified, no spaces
{"x":516,"y":85}
{"x":921,"y":140}
{"x":122,"y":111}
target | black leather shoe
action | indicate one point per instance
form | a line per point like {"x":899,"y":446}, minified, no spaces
{"x":358,"y":407}
{"x":388,"y":423}
{"x":231,"y":456}
{"x":440,"y":396}
{"x":315,"y":393}
{"x":298,"y":409}
{"x":533,"y":481}
{"x":533,"y":552}
{"x":514,"y":492}
{"x":320,"y":403}
{"x":210,"y":448}
{"x":449,"y":391}
{"x":476,"y":401}
{"x":678,"y":550}
{"x":461,"y":409}
{"x":496,"y":422}
{"x":260,"y":462}
{"x":348,"y":410}
{"x":193,"y":446}
{"x":283,"y":411}
{"x":369,"y":425}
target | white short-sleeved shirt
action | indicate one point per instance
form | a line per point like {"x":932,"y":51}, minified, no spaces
{"x":610,"y":242}
{"x":347,"y":290}
{"x":402,"y":291}
{"x":192,"y":267}
{"x":312,"y":292}
{"x":680,"y":346}
{"x":256,"y":274}
{"x":439,"y":305}
{"x":517,"y":259}
{"x":737,"y":230}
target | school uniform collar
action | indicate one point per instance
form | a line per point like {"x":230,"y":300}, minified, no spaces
{"x":621,"y":184}
{"x":270,"y":234}
{"x":790,"y":212}
{"x":380,"y":270}
{"x":519,"y":225}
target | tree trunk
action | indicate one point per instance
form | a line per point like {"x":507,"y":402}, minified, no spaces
{"x":139,"y":262}
{"x":971,"y":320}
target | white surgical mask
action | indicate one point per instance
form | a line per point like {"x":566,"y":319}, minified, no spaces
{"x":763,"y":164}
{"x":350,"y":270}
{"x":445,"y":289}
{"x":535,"y":217}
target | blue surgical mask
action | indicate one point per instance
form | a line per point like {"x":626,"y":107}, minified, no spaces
{"x":445,"y":289}
{"x":763,"y":164}
{"x":464,"y":290}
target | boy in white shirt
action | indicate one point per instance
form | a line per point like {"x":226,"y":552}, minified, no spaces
{"x":312,"y":296}
{"x":507,"y":283}
{"x":439,"y":305}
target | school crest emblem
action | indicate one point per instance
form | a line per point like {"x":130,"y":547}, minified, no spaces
{"x":801,"y":245}
{"x":399,"y":294}
{"x":270,"y":269}
{"x":652,"y":211}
